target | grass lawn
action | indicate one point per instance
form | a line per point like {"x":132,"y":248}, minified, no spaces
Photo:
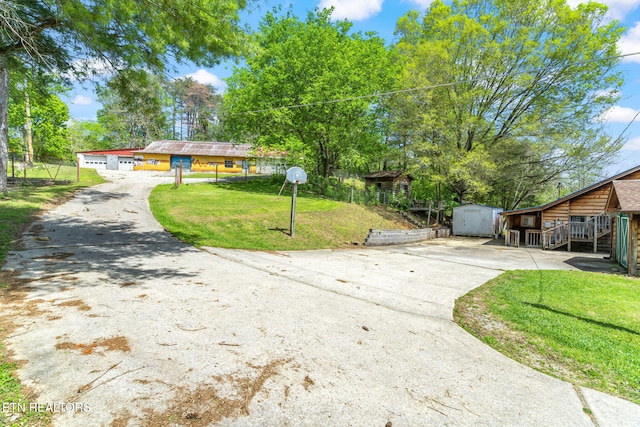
{"x":17,"y":210}
{"x":212,"y":175}
{"x":250,"y":215}
{"x":581,"y":327}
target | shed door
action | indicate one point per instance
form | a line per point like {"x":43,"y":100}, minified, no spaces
{"x":473,"y":222}
{"x":186,"y":162}
{"x":622,"y":239}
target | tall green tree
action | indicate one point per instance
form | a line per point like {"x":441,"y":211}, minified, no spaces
{"x":512,"y":93}
{"x":36,"y":117}
{"x":87,"y":135}
{"x":56,"y":34}
{"x":133,"y":109}
{"x":307,"y":91}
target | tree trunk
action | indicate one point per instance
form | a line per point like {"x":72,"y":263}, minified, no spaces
{"x":4,"y":128}
{"x":28,"y":127}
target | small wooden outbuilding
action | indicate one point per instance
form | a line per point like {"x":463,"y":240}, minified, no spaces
{"x":394,"y":181}
{"x":624,"y":204}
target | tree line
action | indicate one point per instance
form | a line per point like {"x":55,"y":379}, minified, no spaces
{"x":485,"y":101}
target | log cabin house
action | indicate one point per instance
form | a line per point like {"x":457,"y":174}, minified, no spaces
{"x":578,"y":219}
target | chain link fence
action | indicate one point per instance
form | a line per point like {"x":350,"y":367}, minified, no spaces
{"x":41,"y":171}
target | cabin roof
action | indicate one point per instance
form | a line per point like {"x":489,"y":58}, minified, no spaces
{"x":574,"y":194}
{"x":627,"y":195}
{"x":386,"y":174}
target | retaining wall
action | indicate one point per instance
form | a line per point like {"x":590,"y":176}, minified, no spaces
{"x":399,"y":237}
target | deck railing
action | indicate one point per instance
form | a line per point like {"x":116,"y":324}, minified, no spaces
{"x":512,"y":238}
{"x":556,"y":236}
{"x":579,"y":231}
{"x":533,"y":238}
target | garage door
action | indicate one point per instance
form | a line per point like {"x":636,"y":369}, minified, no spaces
{"x":125,"y":163}
{"x":186,"y":162}
{"x":96,"y":162}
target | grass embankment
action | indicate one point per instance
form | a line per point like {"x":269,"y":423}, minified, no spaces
{"x":17,"y":210}
{"x":581,"y":327}
{"x":250,"y":215}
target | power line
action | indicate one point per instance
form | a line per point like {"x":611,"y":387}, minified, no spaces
{"x":414,"y":89}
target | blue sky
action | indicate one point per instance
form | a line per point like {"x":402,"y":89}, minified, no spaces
{"x":381,"y":16}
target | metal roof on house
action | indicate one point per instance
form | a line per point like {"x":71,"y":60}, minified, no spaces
{"x":191,"y":148}
{"x":118,"y":151}
{"x":574,"y":194}
{"x":627,"y":193}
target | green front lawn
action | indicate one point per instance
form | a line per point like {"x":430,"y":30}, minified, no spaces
{"x":250,"y":215}
{"x":581,"y":327}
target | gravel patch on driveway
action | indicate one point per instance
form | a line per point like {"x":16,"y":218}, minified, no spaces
{"x":110,"y":312}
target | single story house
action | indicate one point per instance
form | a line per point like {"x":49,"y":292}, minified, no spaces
{"x":120,"y":159}
{"x":624,"y":204}
{"x":195,"y":156}
{"x":580,"y":217}
{"x":394,"y":181}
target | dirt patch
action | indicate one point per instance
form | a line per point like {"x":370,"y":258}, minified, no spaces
{"x":75,"y":303}
{"x":109,"y":344}
{"x":56,"y":255}
{"x":308,"y":382}
{"x":205,"y":405}
{"x":125,"y":284}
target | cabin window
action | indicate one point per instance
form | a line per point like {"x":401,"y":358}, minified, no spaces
{"x":228,"y":163}
{"x":528,"y":221}
{"x":578,"y":219}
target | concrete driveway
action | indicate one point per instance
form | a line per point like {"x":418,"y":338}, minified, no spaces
{"x":119,"y":324}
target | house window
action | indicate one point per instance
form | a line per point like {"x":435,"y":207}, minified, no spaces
{"x":578,"y":219}
{"x":528,"y":221}
{"x":228,"y":164}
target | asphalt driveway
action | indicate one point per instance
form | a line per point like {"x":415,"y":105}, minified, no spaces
{"x":121,"y":324}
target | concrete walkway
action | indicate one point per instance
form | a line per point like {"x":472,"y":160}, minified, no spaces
{"x":115,"y":315}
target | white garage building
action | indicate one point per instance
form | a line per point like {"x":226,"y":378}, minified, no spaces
{"x":121,"y":159}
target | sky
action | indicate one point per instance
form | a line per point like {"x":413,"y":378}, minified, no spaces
{"x":381,"y":16}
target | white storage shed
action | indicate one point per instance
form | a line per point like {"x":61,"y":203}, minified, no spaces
{"x":476,"y":221}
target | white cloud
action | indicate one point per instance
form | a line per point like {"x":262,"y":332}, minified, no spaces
{"x":207,"y":78}
{"x":94,"y":67}
{"x":630,"y":43}
{"x":422,"y":3}
{"x":82,"y":100}
{"x":619,"y":114}
{"x":354,"y":10}
{"x":632,"y":145}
